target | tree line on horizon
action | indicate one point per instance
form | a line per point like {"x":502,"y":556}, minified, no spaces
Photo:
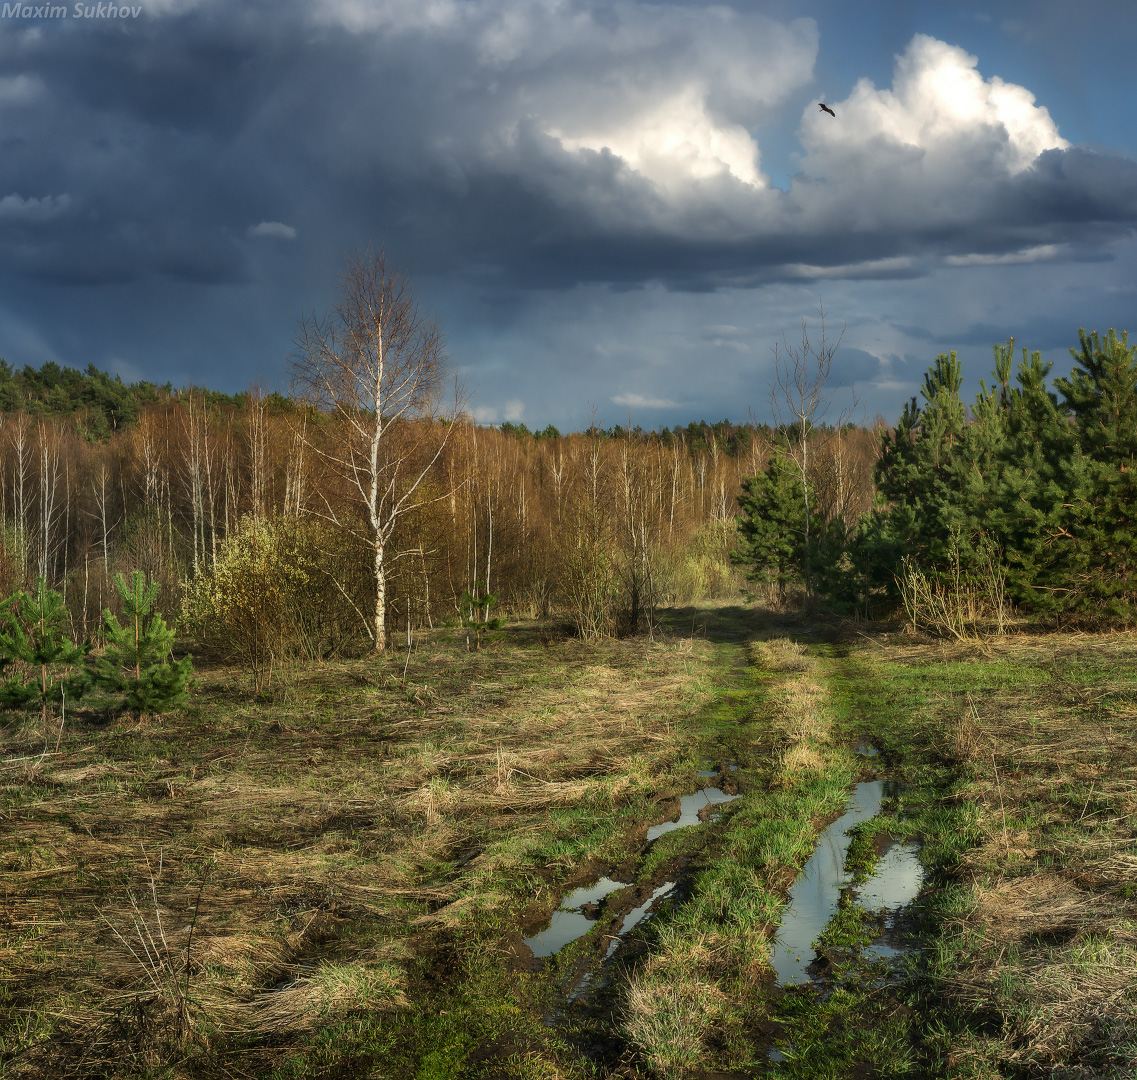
{"x":246,"y":512}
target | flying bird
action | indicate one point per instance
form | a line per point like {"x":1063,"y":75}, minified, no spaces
{"x":825,"y":108}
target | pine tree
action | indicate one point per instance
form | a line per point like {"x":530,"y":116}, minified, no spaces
{"x":136,"y":661}
{"x":772,"y":525}
{"x":1101,"y":393}
{"x":1029,"y":509}
{"x":34,"y":631}
{"x":920,"y":475}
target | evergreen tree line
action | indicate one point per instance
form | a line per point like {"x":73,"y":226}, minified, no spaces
{"x":1030,"y":493}
{"x":98,"y":404}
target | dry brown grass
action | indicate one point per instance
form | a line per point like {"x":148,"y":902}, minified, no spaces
{"x":293,"y":829}
{"x":1048,"y":952}
{"x":332,"y":990}
{"x":1053,"y":959}
{"x":794,"y":706}
{"x":668,"y":1015}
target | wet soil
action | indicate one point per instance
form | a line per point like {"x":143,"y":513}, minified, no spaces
{"x":601,"y":906}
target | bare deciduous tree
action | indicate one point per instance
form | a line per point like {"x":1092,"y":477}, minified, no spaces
{"x":800,"y":402}
{"x":376,"y":364}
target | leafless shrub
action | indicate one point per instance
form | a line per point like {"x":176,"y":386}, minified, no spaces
{"x":961,"y":606}
{"x":964,"y":736}
{"x":159,"y":1017}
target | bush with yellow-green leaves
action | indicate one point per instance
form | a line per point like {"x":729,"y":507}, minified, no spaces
{"x":248,"y":606}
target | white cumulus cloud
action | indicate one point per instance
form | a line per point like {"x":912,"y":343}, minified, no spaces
{"x":671,"y":141}
{"x":275,"y":229}
{"x":939,"y":105}
{"x":671,"y":92}
{"x":628,"y":137}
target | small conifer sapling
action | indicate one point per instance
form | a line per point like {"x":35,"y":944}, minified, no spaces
{"x":136,"y":659}
{"x":33,"y":629}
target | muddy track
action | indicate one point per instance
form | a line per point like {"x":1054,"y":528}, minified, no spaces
{"x":587,"y":945}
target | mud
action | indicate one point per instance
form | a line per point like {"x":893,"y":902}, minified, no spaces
{"x":605,"y":902}
{"x":820,"y":887}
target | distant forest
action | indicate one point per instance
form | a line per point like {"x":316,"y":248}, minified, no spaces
{"x":98,"y":476}
{"x":1024,"y":500}
{"x":98,"y":403}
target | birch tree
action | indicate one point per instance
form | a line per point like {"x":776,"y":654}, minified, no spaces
{"x":375,"y":364}
{"x":800,"y":401}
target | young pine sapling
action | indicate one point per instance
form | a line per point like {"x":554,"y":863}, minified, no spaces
{"x":33,"y":629}
{"x":474,"y":611}
{"x":136,"y":660}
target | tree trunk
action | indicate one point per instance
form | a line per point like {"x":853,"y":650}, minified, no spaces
{"x":380,"y":599}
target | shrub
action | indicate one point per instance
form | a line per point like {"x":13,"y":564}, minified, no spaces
{"x":591,"y":581}
{"x":700,"y":567}
{"x":249,"y":605}
{"x":34,"y":633}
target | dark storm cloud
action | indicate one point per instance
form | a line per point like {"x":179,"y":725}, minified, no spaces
{"x":851,"y":365}
{"x":140,"y":127}
{"x":579,"y":180}
{"x":530,"y":144}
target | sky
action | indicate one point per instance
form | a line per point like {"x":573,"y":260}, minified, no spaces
{"x":615,"y":208}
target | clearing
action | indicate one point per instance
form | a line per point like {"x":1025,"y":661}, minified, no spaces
{"x":338,"y":878}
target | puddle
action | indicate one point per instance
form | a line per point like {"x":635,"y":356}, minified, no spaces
{"x":709,"y":769}
{"x":636,"y":916}
{"x":689,"y":808}
{"x":565,"y":926}
{"x":895,"y":883}
{"x":881,"y":951}
{"x":590,"y":894}
{"x":595,"y":981}
{"x":568,"y":922}
{"x":866,"y":749}
{"x":816,"y":891}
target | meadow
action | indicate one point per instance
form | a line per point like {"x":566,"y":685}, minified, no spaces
{"x":333,"y":876}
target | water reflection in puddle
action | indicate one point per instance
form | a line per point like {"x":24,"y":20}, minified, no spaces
{"x":568,"y":923}
{"x":896,"y":882}
{"x":689,"y":808}
{"x":590,"y":894}
{"x":817,"y":890}
{"x":709,"y":769}
{"x":636,"y":916}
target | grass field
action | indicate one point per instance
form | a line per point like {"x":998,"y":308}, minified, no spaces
{"x":333,"y":878}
